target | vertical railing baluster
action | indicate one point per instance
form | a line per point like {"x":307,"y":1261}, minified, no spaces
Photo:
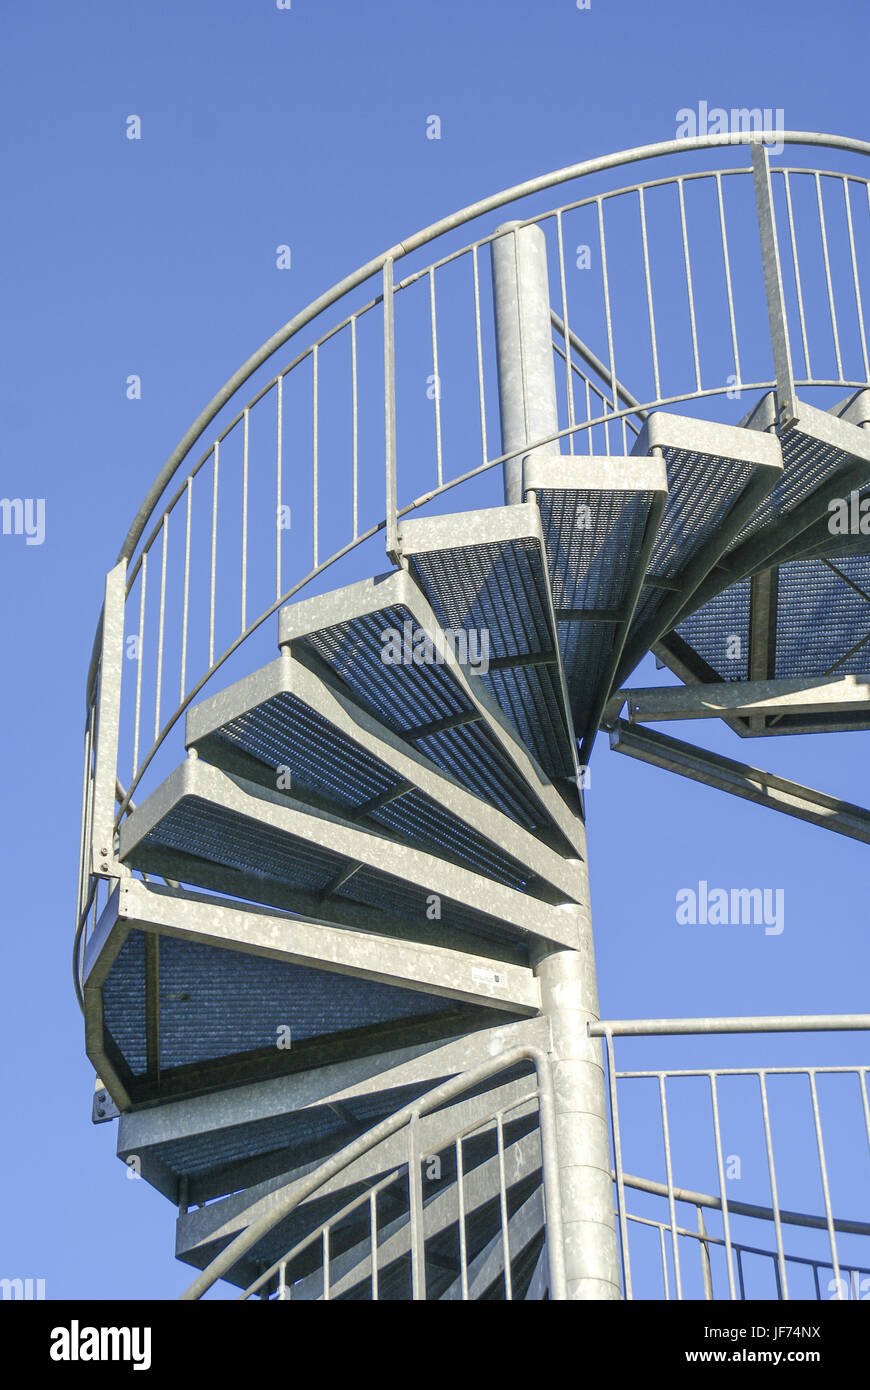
{"x":774,"y":1195}
{"x":479,"y":346}
{"x":664,"y":1255}
{"x":728,"y":286}
{"x":143,"y":582}
{"x":566,"y":324}
{"x":315,"y":455}
{"x":832,"y":308}
{"x":279,"y":481}
{"x":706,"y":1271}
{"x":607,"y":310}
{"x":797,"y":272}
{"x":244,"y":586}
{"x":726,"y":1220}
{"x":463,"y":1238}
{"x":354,"y":392}
{"x":823,"y":1170}
{"x":161,"y":618}
{"x":433,"y":319}
{"x":373,"y":1237}
{"x":690,"y":291}
{"x":214,"y":523}
{"x":616,"y":1139}
{"x":503,"y":1209}
{"x":649,"y":298}
{"x":415,"y":1199}
{"x":859,"y":303}
{"x":186,"y":590}
{"x":672,"y":1208}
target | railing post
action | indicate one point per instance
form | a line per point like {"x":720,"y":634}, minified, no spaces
{"x":415,"y":1200}
{"x":108,"y":721}
{"x":390,"y":412}
{"x":524,"y":348}
{"x":773,"y":287}
{"x":705,"y":1255}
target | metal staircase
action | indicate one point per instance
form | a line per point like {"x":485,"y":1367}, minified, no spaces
{"x":336,"y":962}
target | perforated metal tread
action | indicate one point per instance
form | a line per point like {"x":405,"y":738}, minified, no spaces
{"x":485,"y":575}
{"x":184,"y":993}
{"x":717,"y":476}
{"x":428,"y":698}
{"x":288,"y":728}
{"x":826,"y":456}
{"x":200,"y":819}
{"x":599,"y":519}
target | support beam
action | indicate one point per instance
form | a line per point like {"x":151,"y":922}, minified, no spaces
{"x":797,"y":695}
{"x":764,"y":788}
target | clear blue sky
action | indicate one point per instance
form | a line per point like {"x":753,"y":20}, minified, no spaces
{"x":157,"y":257}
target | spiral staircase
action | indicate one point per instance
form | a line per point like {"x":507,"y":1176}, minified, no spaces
{"x":340,"y":987}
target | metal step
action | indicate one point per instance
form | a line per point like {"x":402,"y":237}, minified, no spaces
{"x":826,"y":457}
{"x":756,"y":627}
{"x":819,"y":538}
{"x":289,"y":729}
{"x":485,"y":575}
{"x":201,"y":820}
{"x":383,"y":642}
{"x":211,"y":1145}
{"x":600,"y":517}
{"x":185,"y":993}
{"x":717,"y":476}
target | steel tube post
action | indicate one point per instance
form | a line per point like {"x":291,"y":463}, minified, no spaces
{"x":773,"y":286}
{"x":524,"y":348}
{"x":569,"y":994}
{"x":569,"y":998}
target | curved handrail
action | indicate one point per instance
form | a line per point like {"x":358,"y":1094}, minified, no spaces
{"x":403,"y":248}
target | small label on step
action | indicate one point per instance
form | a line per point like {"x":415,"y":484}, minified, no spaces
{"x":482,"y":976}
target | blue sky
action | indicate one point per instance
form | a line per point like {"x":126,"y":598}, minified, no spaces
{"x":157,"y":257}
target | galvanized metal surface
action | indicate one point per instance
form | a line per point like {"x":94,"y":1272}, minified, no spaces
{"x":414,"y":781}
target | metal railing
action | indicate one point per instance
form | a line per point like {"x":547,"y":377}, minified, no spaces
{"x":386,"y":1230}
{"x":278,"y":1277}
{"x":217,"y":547}
{"x":770,"y":1112}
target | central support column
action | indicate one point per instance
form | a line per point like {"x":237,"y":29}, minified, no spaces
{"x":569,"y":998}
{"x":569,"y":993}
{"x":524,"y":348}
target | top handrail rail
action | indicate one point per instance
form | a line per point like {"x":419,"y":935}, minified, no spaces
{"x":409,"y":244}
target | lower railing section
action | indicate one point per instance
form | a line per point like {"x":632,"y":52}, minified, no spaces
{"x":452,"y":1197}
{"x":795,"y":1136}
{"x":456,"y":1197}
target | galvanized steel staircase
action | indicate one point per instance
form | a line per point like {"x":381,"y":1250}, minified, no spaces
{"x":374,"y":838}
